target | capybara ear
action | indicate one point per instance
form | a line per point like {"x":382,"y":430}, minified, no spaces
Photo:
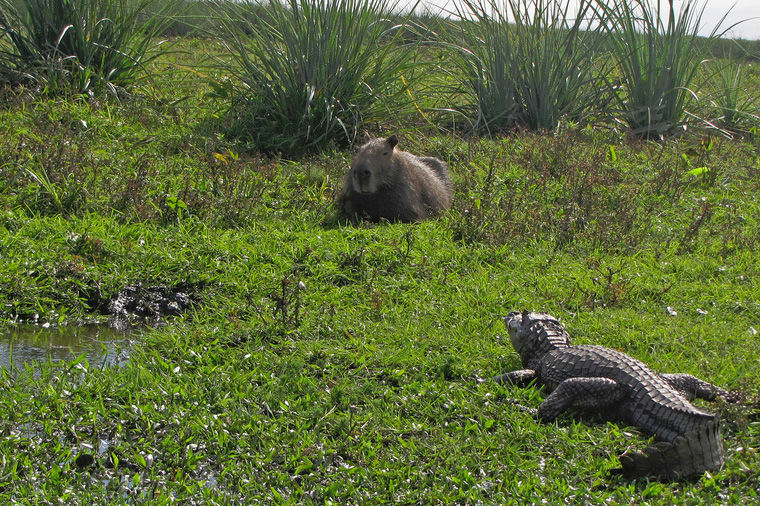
{"x":392,"y":140}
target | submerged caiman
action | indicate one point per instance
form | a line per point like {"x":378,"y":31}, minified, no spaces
{"x":587,"y":376}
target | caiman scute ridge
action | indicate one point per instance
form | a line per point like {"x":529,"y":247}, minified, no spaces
{"x":688,"y":439}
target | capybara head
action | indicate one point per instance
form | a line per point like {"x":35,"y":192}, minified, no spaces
{"x":372,"y":164}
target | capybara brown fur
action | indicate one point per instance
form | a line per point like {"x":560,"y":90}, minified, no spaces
{"x":387,"y":183}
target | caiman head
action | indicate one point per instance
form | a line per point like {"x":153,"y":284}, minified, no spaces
{"x":534,"y":334}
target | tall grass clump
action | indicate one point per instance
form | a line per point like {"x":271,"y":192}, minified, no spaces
{"x":527,"y":62}
{"x":308,"y":74}
{"x":658,"y":53}
{"x":486,"y":65}
{"x":734,"y":104}
{"x":79,"y":46}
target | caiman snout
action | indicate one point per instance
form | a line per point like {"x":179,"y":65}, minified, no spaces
{"x":513,"y":320}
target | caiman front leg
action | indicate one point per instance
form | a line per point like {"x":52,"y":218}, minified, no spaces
{"x":519,"y":378}
{"x":581,"y":393}
{"x":692,"y":387}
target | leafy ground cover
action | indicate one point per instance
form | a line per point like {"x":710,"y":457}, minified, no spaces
{"x":324,"y":362}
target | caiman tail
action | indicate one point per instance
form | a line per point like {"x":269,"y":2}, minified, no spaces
{"x":690,"y":454}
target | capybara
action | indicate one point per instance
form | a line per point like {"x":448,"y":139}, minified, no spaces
{"x":387,"y":183}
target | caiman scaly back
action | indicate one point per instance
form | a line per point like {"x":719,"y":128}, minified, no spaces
{"x":586,"y":376}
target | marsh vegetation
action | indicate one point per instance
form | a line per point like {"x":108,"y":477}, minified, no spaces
{"x":327,"y":362}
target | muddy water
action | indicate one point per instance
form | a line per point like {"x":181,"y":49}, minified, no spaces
{"x":102,"y":345}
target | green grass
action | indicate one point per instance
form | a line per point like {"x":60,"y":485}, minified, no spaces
{"x":734,"y":106}
{"x":526,"y":64}
{"x":306,"y":76}
{"x":335,"y":363}
{"x":80,"y":46}
{"x":658,"y":52}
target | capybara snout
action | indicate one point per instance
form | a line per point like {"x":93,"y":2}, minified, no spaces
{"x":362,"y":179}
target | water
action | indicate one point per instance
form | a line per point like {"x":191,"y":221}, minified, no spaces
{"x":103,"y":345}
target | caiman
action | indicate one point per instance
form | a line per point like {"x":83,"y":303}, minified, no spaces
{"x":687,"y":438}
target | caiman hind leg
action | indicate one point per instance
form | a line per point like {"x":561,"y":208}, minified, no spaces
{"x":692,"y":387}
{"x":580,"y":393}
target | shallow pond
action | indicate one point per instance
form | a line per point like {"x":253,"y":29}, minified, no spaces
{"x":103,"y":345}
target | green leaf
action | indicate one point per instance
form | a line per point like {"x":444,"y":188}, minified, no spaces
{"x":611,"y":153}
{"x":305,"y":466}
{"x":699,"y":171}
{"x":175,"y":203}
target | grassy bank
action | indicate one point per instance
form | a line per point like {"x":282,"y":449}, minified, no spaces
{"x":324,"y":362}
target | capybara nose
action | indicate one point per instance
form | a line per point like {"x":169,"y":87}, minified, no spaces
{"x":362,"y":174}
